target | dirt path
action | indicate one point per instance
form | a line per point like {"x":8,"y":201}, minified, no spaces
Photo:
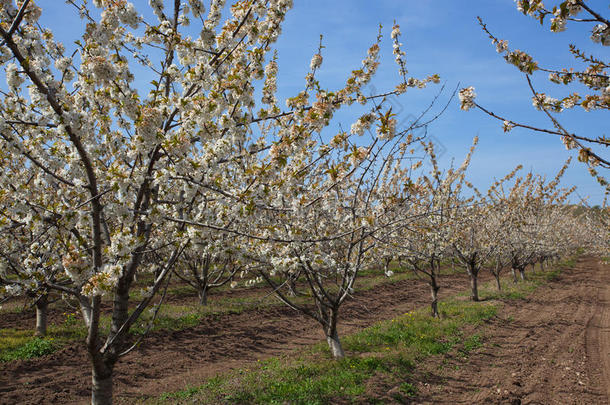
{"x":598,"y":332}
{"x":172,"y":361}
{"x":552,"y":348}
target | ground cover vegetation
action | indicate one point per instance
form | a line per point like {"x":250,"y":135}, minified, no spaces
{"x":116,"y":197}
{"x":386,"y":353}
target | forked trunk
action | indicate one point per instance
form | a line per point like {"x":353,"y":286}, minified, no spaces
{"x":522,"y":273}
{"x":330,"y":330}
{"x":42,"y":309}
{"x":498,"y":284}
{"x":101,"y":391}
{"x":292,"y":287}
{"x":512,"y":270}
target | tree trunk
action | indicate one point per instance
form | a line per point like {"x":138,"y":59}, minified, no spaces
{"x":512,"y":270}
{"x":434,"y":304}
{"x":330,"y":330}
{"x":522,"y":273}
{"x":542,"y":265}
{"x":386,"y":267}
{"x":335,"y":344}
{"x":85,"y":309}
{"x":474,"y":287}
{"x":101,"y":391}
{"x":498,"y":284}
{"x":292,"y":287}
{"x":120,"y":308}
{"x":203,"y":296}
{"x":42,"y":306}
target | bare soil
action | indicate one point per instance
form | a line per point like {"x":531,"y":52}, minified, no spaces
{"x":171,"y":361}
{"x":551,"y":348}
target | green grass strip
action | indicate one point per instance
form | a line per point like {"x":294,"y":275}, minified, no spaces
{"x":388,"y":351}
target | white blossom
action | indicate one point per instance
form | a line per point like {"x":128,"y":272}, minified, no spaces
{"x":316,"y":61}
{"x":467,"y":96}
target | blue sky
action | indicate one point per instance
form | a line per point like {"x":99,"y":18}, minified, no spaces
{"x":440,"y":36}
{"x":443,"y":36}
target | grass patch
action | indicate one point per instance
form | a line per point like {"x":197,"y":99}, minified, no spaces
{"x":471,"y":343}
{"x":408,"y":389}
{"x":522,"y":289}
{"x":388,"y":350}
{"x":18,"y":346}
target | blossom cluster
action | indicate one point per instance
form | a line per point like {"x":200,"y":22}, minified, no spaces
{"x":467,"y":96}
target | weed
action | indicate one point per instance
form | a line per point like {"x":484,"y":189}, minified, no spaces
{"x":408,"y":389}
{"x":70,"y":320}
{"x":389,"y":350}
{"x":471,"y":343}
{"x":34,"y":347}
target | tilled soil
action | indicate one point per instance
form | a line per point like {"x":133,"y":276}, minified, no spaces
{"x":552,"y":348}
{"x":171,"y":361}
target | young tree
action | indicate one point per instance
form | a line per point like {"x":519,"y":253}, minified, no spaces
{"x":423,"y":238}
{"x":471,"y":240}
{"x":497,"y":224}
{"x":323,"y":227}
{"x":317,"y":202}
{"x":209,"y":265}
{"x":526,"y":206}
